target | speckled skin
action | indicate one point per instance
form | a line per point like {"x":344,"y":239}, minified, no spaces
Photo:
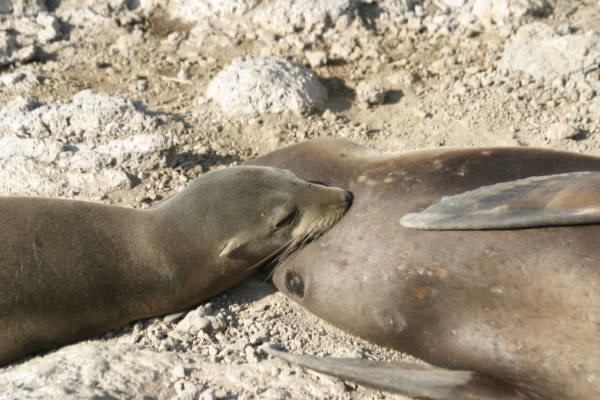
{"x":522,"y":306}
{"x":71,"y":269}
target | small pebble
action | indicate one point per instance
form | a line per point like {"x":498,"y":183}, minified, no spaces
{"x":259,"y":337}
{"x":179,"y":372}
{"x":560,"y":131}
{"x":370,"y":93}
{"x":316,"y":58}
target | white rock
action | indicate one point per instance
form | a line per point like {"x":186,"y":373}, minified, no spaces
{"x":538,"y":51}
{"x":492,"y":11}
{"x":112,"y":127}
{"x":142,"y":144}
{"x":12,"y":79}
{"x":194,"y":322}
{"x":92,"y":370}
{"x":83,"y":159}
{"x":44,"y":150}
{"x":560,"y":131}
{"x":194,"y":10}
{"x":20,"y":79}
{"x":179,"y":372}
{"x":250,"y":354}
{"x":454,"y":3}
{"x":283,"y":16}
{"x":501,"y":12}
{"x":50,"y":27}
{"x":21,"y":176}
{"x":316,"y":58}
{"x":97,"y":369}
{"x":20,"y":37}
{"x":370,"y":93}
{"x":259,"y":337}
{"x":343,"y":48}
{"x":19,"y":103}
{"x":256,"y":86}
{"x":99,"y":183}
{"x":84,"y":145}
{"x":460,"y":88}
{"x":25,"y":176}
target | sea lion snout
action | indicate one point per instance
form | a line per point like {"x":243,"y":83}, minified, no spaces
{"x":348,"y":197}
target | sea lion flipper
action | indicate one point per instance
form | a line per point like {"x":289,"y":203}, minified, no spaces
{"x":408,"y":379}
{"x":565,"y":199}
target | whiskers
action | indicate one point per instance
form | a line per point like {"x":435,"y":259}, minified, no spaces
{"x":289,"y":248}
{"x":285,"y":250}
{"x":317,"y":229}
{"x":268,"y":259}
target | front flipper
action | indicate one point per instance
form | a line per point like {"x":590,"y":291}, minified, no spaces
{"x":420,"y":381}
{"x":552,"y":200}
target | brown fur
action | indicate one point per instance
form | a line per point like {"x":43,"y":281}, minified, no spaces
{"x":71,"y":269}
{"x":521,"y":306}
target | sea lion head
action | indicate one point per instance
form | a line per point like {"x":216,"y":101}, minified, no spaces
{"x":253,"y":214}
{"x":281,"y":212}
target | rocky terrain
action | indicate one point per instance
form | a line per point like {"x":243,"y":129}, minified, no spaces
{"x":126,"y":101}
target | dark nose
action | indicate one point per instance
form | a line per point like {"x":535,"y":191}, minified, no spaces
{"x":348,"y":198}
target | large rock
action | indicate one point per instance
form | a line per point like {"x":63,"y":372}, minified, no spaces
{"x":539,"y":51}
{"x":194,"y":10}
{"x":45,"y":150}
{"x":90,"y":118}
{"x":277,"y":16}
{"x":97,"y":369}
{"x":93,"y":144}
{"x":255,"y":86}
{"x":22,"y":37}
{"x":25,"y":176}
{"x":281,"y":16}
{"x":504,"y":11}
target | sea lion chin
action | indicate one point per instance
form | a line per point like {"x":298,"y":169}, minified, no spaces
{"x":70,"y":269}
{"x":511,"y":298}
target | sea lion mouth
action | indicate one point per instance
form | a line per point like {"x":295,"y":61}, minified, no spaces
{"x":316,"y":230}
{"x":283,"y":252}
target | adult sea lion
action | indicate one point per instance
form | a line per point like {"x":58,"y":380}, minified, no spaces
{"x":71,"y":269}
{"x":515,"y":313}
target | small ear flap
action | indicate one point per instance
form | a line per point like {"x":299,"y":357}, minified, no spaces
{"x":231,"y":245}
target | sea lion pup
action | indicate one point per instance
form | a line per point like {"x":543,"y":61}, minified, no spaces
{"x":71,"y":269}
{"x":518,"y":310}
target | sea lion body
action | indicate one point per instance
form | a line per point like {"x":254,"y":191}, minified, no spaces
{"x":522,"y":306}
{"x":72,"y":269}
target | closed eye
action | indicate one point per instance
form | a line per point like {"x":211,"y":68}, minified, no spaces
{"x":288,"y":220}
{"x":320,"y":183}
